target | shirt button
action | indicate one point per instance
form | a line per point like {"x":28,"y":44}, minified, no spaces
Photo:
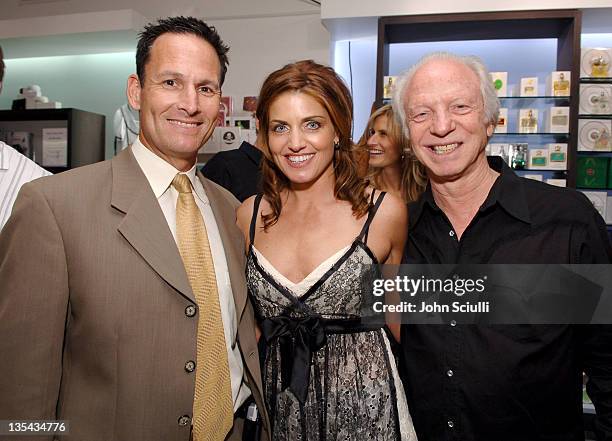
{"x":185,"y":420}
{"x":190,"y":311}
{"x":451,"y":233}
{"x":449,"y":372}
{"x":190,"y":366}
{"x":450,"y":423}
{"x":453,"y":322}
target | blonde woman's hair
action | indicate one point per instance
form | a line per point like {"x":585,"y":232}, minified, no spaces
{"x":413,"y":177}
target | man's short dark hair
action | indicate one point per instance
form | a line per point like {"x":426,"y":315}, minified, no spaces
{"x":179,"y":25}
{"x":1,"y":65}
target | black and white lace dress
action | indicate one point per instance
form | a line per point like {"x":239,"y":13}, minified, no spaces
{"x":326,"y":375}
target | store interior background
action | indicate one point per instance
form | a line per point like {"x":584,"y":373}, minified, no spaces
{"x":81,"y":51}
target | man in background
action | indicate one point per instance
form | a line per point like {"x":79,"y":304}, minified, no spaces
{"x":237,"y":170}
{"x":15,"y":169}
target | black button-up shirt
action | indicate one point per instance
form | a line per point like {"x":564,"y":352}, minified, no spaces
{"x":508,"y":382}
{"x":236,"y":170}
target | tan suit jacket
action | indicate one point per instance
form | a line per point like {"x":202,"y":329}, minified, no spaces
{"x":93,"y":299}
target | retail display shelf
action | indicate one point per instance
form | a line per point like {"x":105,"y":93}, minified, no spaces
{"x":559,"y":135}
{"x":596,"y":80}
{"x":594,"y":116}
{"x":556,"y":98}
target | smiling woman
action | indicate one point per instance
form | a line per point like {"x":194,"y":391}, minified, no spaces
{"x":323,"y":86}
{"x":392,"y":166}
{"x":311,"y":248}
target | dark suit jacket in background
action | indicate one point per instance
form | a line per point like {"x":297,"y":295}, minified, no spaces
{"x":93,"y":298}
{"x":236,"y":170}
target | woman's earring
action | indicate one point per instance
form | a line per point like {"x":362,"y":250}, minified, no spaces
{"x":336,"y":145}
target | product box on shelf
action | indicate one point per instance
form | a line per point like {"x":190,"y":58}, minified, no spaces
{"x":22,"y":142}
{"x":389,"y":83}
{"x":229,"y":138}
{"x":609,"y":210}
{"x":500,"y":82}
{"x":594,"y":135}
{"x":592,"y":172}
{"x":557,"y":120}
{"x":610,"y":175}
{"x":599,"y":199}
{"x":249,"y":104}
{"x":244,"y":122}
{"x":538,"y":159}
{"x":558,"y":83}
{"x":596,"y":99}
{"x":227,"y":104}
{"x":499,"y":149}
{"x":595,"y":62}
{"x":528,"y":121}
{"x":557,"y":182}
{"x":557,"y":156}
{"x":517,"y":155}
{"x":529,"y":86}
{"x":502,"y":123}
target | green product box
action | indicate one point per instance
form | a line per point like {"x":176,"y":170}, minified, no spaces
{"x":592,"y":172}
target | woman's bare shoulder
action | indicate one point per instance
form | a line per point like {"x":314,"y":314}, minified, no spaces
{"x":392,"y":213}
{"x":244,"y":212}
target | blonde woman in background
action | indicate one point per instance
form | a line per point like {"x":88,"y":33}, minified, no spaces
{"x":391,"y":167}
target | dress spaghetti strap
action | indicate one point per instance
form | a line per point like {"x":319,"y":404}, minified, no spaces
{"x":371,"y":212}
{"x":254,"y":218}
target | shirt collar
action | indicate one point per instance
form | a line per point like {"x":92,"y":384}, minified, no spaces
{"x":508,"y":191}
{"x":251,"y":151}
{"x":160,"y":173}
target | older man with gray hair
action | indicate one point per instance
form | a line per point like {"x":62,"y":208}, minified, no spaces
{"x":496,"y":382}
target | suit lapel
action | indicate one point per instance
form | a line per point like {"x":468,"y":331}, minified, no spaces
{"x":233,"y":243}
{"x":144,"y":225}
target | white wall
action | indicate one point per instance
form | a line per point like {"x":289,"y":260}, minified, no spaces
{"x":363,"y":78}
{"x":331,"y":9}
{"x":259,"y":46}
{"x":207,"y":9}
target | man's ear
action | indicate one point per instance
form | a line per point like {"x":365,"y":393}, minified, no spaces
{"x":133,"y":91}
{"x":490,"y":129}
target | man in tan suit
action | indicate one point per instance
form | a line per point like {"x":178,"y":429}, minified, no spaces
{"x":118,"y":279}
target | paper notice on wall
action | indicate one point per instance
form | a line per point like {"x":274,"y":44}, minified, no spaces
{"x":55,"y":147}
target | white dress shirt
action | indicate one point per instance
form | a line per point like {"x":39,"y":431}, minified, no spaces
{"x":15,"y":170}
{"x":160,"y":174}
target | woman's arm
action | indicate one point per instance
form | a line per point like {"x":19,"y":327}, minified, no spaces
{"x":394,"y":225}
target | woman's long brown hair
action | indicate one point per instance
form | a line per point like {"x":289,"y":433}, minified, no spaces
{"x":327,"y":88}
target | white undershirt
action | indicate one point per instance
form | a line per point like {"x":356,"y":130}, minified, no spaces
{"x":160,"y":174}
{"x":15,"y":170}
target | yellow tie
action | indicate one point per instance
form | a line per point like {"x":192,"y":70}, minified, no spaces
{"x":213,"y":410}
